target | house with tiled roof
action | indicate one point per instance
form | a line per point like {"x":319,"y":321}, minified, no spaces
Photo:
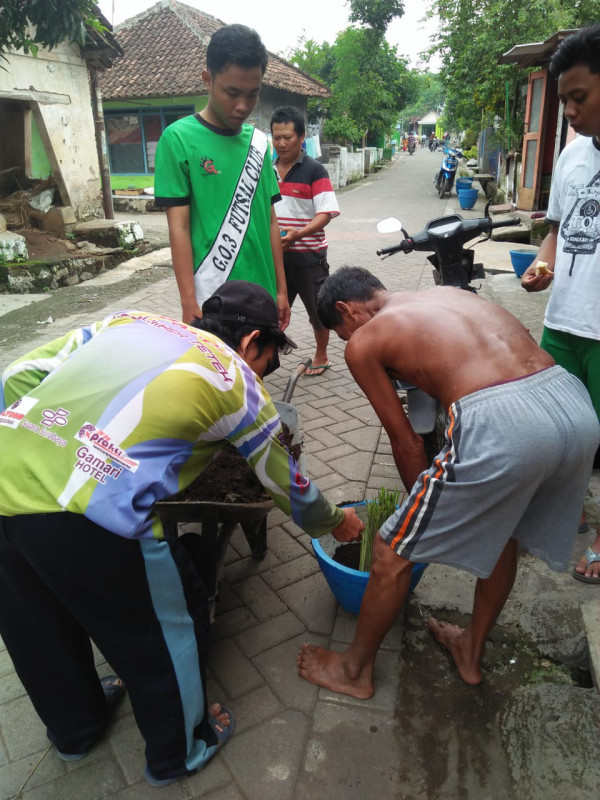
{"x":48,"y":108}
{"x":159,"y":80}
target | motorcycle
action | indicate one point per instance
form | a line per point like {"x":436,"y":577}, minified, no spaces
{"x":453,"y":265}
{"x":411,"y":146}
{"x":444,"y":178}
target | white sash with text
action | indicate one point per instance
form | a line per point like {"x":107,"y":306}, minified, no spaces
{"x":220,"y":260}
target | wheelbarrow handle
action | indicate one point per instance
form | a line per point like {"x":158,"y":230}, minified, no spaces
{"x":289,"y":389}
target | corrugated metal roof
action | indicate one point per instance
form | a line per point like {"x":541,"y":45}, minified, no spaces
{"x":534,"y":54}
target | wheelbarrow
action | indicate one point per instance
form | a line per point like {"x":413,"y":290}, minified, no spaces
{"x":218,"y":519}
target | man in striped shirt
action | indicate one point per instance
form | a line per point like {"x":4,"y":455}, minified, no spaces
{"x":307,"y":205}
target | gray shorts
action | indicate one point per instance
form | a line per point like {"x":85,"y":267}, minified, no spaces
{"x":516,"y":464}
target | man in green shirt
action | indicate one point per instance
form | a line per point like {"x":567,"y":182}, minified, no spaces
{"x":214,"y":175}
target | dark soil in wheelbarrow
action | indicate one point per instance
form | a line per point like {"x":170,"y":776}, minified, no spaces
{"x":229,"y":479}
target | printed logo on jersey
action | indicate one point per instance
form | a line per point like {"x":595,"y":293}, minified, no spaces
{"x":208,"y":166}
{"x":59,"y":417}
{"x":12,"y":416}
{"x":95,"y":466}
{"x":581,"y":228}
{"x":101,"y":442}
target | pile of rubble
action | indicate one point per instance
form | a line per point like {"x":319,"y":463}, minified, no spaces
{"x":43,"y":245}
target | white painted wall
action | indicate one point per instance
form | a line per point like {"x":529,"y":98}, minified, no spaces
{"x":55,"y":84}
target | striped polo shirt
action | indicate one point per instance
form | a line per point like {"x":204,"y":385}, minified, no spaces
{"x":305,"y":191}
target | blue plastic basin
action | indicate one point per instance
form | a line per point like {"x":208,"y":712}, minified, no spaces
{"x":348,"y":585}
{"x":467,"y":197}
{"x":521,"y":259}
{"x":464,"y":183}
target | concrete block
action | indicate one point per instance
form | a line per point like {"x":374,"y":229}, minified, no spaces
{"x":229,"y":792}
{"x":269,"y":634}
{"x":15,"y":773}
{"x":278,"y":665}
{"x":233,"y":670}
{"x":141,"y":791}
{"x":231,"y":623}
{"x":265,"y":760}
{"x":3,"y":225}
{"x":311,"y":600}
{"x":11,"y":687}
{"x":13,"y":247}
{"x":93,"y":780}
{"x":365,"y":438}
{"x":59,"y":220}
{"x":212,"y":776}
{"x":254,"y":708}
{"x":247,"y":567}
{"x":354,"y":466}
{"x":292,"y":571}
{"x":329,"y":772}
{"x":259,"y":598}
{"x":284,"y":546}
{"x":22,"y":729}
{"x":108,"y":233}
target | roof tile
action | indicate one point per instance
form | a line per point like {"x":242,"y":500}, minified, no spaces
{"x":165,"y":53}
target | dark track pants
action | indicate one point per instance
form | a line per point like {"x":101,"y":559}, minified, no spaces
{"x":64,"y":580}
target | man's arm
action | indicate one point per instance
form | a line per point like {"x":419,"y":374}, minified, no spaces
{"x":283,"y":305}
{"x":317,"y":223}
{"x":178,"y":219}
{"x":364,"y":357}
{"x":532,"y":282}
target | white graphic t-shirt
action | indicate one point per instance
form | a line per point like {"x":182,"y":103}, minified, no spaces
{"x":574,"y":305}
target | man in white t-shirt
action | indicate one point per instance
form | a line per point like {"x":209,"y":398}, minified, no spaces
{"x":571,"y":250}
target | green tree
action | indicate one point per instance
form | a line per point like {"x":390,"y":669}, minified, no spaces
{"x":29,"y":24}
{"x":475,"y":33}
{"x":369,"y":82}
{"x":376,"y":14}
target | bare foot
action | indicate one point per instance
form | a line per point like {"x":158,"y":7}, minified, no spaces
{"x":222,"y":719}
{"x":453,"y":638}
{"x":328,"y":669}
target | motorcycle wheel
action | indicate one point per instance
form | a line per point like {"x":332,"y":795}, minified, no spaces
{"x":435,"y":439}
{"x":442,"y":187}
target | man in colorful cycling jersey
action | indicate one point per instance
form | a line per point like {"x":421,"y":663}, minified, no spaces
{"x":97,"y":427}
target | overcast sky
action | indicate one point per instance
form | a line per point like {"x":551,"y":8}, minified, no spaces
{"x":280,"y":24}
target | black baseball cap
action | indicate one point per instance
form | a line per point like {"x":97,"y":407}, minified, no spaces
{"x":247,"y":304}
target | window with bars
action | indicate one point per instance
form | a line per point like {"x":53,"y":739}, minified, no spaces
{"x":132,"y":136}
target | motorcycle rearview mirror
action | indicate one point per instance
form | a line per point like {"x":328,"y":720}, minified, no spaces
{"x":389,"y":225}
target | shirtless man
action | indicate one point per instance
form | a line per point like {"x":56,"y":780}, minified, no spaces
{"x":514,"y":468}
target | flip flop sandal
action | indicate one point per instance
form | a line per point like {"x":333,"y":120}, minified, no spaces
{"x":583,"y":528}
{"x":591,"y":559}
{"x":324,"y":367}
{"x":113,"y":693}
{"x":223,"y":734}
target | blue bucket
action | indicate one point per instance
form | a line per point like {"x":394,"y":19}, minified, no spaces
{"x":467,"y":197}
{"x":521,"y":259}
{"x":464,"y":183}
{"x":348,"y":585}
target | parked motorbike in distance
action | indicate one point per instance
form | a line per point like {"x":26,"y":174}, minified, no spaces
{"x":444,"y":178}
{"x":453,"y":265}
